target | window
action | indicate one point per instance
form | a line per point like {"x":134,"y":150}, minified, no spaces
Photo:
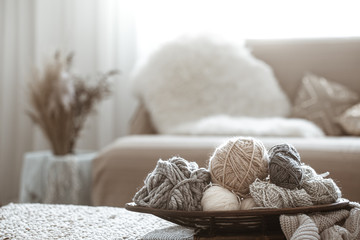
{"x":161,"y":20}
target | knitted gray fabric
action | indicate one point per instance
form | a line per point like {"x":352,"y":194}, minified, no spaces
{"x":350,"y":229}
{"x":299,"y":227}
{"x":175,"y":184}
{"x":328,"y":219}
{"x":323,"y":225}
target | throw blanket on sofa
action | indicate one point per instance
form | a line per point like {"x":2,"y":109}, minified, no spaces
{"x":341,"y":224}
{"x":226,"y":125}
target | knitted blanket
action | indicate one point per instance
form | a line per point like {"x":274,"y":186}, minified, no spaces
{"x":45,"y":221}
{"x":341,"y":224}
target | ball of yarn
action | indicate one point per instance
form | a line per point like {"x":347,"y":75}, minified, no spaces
{"x":237,"y":163}
{"x":285,"y":166}
{"x":175,"y":184}
{"x":247,"y":203}
{"x":217,"y":198}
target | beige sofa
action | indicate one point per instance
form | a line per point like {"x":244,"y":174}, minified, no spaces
{"x":120,"y":168}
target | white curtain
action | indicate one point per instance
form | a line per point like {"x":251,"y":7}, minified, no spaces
{"x":102,"y":35}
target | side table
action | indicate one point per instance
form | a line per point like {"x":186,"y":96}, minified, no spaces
{"x":64,"y":179}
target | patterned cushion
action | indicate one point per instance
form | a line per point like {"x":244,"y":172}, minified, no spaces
{"x":350,"y":120}
{"x":323,"y":101}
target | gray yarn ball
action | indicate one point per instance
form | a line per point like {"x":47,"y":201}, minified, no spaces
{"x":285,"y":166}
{"x":175,"y":184}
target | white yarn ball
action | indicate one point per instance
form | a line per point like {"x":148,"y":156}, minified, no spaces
{"x":248,"y":203}
{"x":217,"y":198}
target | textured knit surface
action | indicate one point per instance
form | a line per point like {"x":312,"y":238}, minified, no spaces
{"x":170,"y":233}
{"x":341,"y":224}
{"x":315,"y":190}
{"x":299,"y":227}
{"x":45,"y":221}
{"x":266,"y":194}
{"x":175,"y":184}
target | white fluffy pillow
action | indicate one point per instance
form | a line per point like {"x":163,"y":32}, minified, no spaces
{"x":192,"y":78}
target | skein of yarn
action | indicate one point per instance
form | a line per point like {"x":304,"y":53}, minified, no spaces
{"x":321,"y":190}
{"x":269,"y":195}
{"x":217,"y":198}
{"x":314,"y":190}
{"x":175,"y":184}
{"x":285,"y":166}
{"x":237,"y":163}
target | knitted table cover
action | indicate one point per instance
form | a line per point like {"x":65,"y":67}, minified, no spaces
{"x":46,"y":221}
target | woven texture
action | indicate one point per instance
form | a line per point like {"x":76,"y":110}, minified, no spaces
{"x":45,"y":221}
{"x":342,"y":224}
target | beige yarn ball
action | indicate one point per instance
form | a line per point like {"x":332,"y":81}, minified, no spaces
{"x":217,"y":198}
{"x":247,"y":203}
{"x":239,"y":162}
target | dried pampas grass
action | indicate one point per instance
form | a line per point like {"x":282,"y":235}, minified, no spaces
{"x":60,"y":101}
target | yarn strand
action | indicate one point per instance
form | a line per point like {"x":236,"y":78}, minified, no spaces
{"x":226,"y":160}
{"x":248,"y":170}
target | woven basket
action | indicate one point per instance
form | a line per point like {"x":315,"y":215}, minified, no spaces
{"x":259,"y":220}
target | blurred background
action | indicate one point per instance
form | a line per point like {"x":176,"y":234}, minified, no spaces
{"x":116,"y":34}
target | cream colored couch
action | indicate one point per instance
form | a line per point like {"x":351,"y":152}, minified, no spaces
{"x":121,"y":167}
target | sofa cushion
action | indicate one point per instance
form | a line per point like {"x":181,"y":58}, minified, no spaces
{"x":350,"y":120}
{"x":189,"y":79}
{"x":323,"y":101}
{"x":120,"y":169}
